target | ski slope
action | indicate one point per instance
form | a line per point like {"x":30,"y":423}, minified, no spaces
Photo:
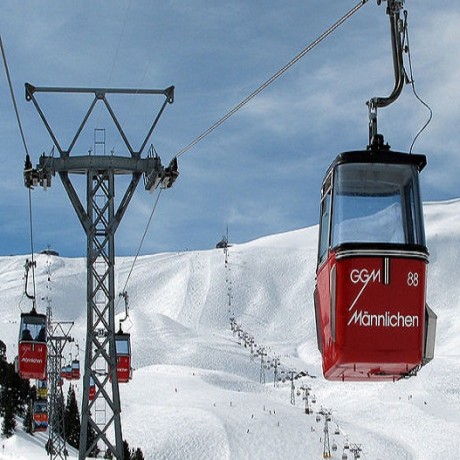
{"x":196,"y":393}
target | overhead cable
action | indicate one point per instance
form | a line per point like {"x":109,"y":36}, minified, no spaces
{"x":273,"y":78}
{"x":141,"y":243}
{"x":18,"y":118}
{"x":414,"y":91}
{"x":12,"y":96}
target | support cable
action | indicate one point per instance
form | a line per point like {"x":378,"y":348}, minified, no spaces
{"x":32,"y":246}
{"x":412,"y":83}
{"x":12,"y":96}
{"x":18,"y":118}
{"x":273,"y":78}
{"x":141,"y":243}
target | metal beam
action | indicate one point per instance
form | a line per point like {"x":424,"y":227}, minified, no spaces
{"x":100,"y":222}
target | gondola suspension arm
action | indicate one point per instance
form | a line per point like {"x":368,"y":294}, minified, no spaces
{"x":124,"y":294}
{"x":397,"y":29}
{"x":28,"y":265}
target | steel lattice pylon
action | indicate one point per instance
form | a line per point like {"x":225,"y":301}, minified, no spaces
{"x":100,"y":359}
{"x":58,"y":337}
{"x":100,"y":221}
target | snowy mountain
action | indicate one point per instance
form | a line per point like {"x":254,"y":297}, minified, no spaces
{"x":196,"y":394}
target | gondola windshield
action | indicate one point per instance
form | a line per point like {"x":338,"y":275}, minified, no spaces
{"x":122,"y":344}
{"x":376,"y":203}
{"x":33,"y":327}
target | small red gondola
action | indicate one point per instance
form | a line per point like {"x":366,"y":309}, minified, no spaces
{"x":92,"y":389}
{"x":75,"y":372}
{"x":32,"y":348}
{"x":123,"y":353}
{"x":371,"y":316}
{"x":40,"y":415}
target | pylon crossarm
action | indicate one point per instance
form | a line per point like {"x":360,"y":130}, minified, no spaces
{"x":99,"y":94}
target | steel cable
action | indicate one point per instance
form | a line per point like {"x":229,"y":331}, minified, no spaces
{"x":273,"y":77}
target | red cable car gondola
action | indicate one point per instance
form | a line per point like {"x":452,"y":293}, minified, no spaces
{"x":68,"y":372}
{"x":123,"y":354}
{"x":372,"y":319}
{"x":92,"y":389}
{"x":75,"y":372}
{"x":32,"y":349}
{"x":40,"y":415}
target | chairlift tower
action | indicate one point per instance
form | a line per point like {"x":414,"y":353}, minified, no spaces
{"x":326,"y":443}
{"x":100,"y":220}
{"x":292,"y":375}
{"x":262,"y":354}
{"x":58,"y":335}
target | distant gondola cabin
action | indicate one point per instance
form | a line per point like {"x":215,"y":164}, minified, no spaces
{"x":40,"y":415}
{"x":123,"y":353}
{"x":92,"y":389}
{"x":42,"y":389}
{"x":32,"y":348}
{"x":75,"y":373}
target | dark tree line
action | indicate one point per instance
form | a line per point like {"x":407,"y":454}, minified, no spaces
{"x":14,"y":395}
{"x":72,"y":419}
{"x":16,"y":400}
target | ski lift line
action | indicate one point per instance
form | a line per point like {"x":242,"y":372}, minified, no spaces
{"x":18,"y":118}
{"x":141,"y":243}
{"x":280,"y":72}
{"x":8,"y":77}
{"x":115,"y":58}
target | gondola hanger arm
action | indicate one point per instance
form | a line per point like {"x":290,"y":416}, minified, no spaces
{"x":397,"y":31}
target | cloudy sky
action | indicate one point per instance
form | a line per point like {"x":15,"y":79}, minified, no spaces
{"x":259,"y":172}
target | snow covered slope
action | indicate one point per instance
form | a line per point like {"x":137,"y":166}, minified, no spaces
{"x":196,"y":393}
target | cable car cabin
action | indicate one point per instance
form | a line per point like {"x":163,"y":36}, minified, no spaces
{"x":123,"y":353}
{"x":32,"y":349}
{"x":40,"y":415}
{"x":75,"y":372}
{"x":68,"y":372}
{"x":92,"y":389}
{"x":372,"y":320}
{"x":42,"y":389}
